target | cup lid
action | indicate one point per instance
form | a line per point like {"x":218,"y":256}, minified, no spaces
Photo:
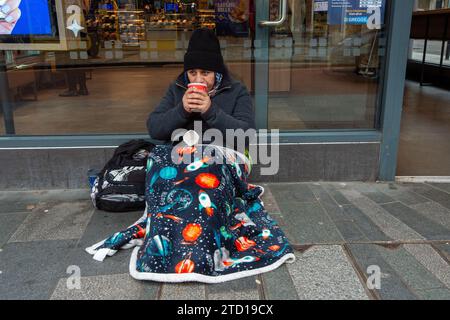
{"x":197,"y":84}
{"x":191,"y":138}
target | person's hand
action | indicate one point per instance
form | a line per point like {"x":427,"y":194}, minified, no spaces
{"x":185,"y":101}
{"x":196,"y":101}
{"x":10,"y":12}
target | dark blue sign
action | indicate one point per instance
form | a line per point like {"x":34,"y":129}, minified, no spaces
{"x":171,"y":7}
{"x":354,"y":11}
{"x":232,"y":17}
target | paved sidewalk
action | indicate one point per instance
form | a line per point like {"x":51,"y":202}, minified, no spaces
{"x":341,"y":232}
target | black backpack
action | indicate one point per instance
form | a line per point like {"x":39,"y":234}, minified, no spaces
{"x":120,"y":185}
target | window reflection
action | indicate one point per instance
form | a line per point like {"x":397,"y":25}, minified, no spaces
{"x":325,"y":65}
{"x":324,"y":70}
{"x":434,"y":47}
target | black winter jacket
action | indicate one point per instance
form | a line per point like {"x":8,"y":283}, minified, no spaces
{"x":231,"y":108}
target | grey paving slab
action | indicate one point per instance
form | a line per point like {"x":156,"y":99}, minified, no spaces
{"x":183,"y":291}
{"x":336,"y":194}
{"x":334,"y":209}
{"x":350,"y":231}
{"x":434,"y":211}
{"x":408,"y":197}
{"x":150,"y":290}
{"x":101,"y":226}
{"x":365,"y":224}
{"x":345,"y":223}
{"x":106,"y":287}
{"x":430,"y":192}
{"x":431,"y":260}
{"x":443,"y":186}
{"x":11,"y":206}
{"x":46,"y":195}
{"x":391,"y":186}
{"x":270,"y":204}
{"x":356,"y":185}
{"x":117,"y":264}
{"x":240,"y":289}
{"x":26,"y":201}
{"x":31,"y":270}
{"x":278,"y":285}
{"x":104,"y":224}
{"x":298,"y":192}
{"x":392,"y":286}
{"x":29,"y":290}
{"x":308,"y":223}
{"x":418,"y":222}
{"x":378,"y":197}
{"x":390,"y":225}
{"x":415,"y":275}
{"x":9,"y":224}
{"x":445,"y":249}
{"x":401,"y":193}
{"x":279,"y":220}
{"x":434,"y":294}
{"x":324,"y":272}
{"x":55,"y":221}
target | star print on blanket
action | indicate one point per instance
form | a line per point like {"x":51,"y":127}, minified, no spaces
{"x":203,"y":222}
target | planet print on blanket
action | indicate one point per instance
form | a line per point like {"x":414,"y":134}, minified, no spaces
{"x":203,"y":222}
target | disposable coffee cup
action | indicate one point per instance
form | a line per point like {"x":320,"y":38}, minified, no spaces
{"x":198,"y":86}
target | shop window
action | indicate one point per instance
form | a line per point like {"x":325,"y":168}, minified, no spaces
{"x":326,"y":63}
{"x":324,"y":69}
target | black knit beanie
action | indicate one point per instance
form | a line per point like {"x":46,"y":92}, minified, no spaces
{"x":204,"y":52}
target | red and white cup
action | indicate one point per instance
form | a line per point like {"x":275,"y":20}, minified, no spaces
{"x":198,"y":86}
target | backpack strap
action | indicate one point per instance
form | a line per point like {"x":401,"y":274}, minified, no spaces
{"x":137,"y":189}
{"x":132,"y":146}
{"x":125,"y":150}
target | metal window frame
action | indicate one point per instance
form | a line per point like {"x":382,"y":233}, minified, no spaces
{"x":113,"y":140}
{"x":399,"y":28}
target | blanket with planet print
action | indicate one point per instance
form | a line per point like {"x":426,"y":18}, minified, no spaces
{"x":203,"y":221}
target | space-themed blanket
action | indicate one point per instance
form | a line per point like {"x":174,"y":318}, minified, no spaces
{"x":203,"y":221}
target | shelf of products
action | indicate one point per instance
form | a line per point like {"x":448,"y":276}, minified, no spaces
{"x":206,"y":18}
{"x":124,"y":25}
{"x":170,"y":21}
{"x":131,"y":27}
{"x":106,"y":23}
{"x":181,"y":21}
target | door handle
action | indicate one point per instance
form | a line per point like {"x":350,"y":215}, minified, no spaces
{"x":281,"y":18}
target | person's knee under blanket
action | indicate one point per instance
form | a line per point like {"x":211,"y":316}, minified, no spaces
{"x":203,"y":222}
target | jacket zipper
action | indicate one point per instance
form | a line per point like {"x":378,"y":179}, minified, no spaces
{"x":222,"y":89}
{"x":180,"y":85}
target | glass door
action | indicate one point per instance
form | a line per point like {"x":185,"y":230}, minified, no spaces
{"x":308,"y":64}
{"x":319,"y":65}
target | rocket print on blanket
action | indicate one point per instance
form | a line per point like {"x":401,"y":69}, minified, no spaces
{"x":203,"y":222}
